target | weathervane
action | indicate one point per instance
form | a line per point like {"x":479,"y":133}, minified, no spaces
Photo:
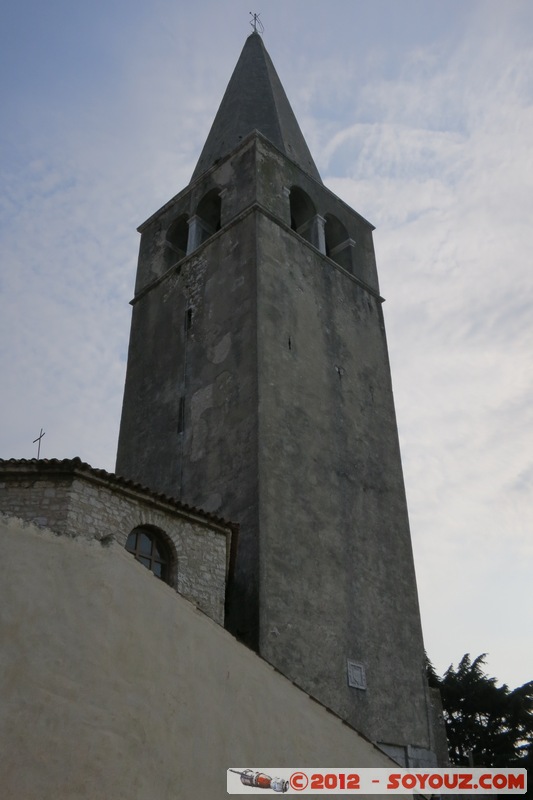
{"x":256,"y":23}
{"x":38,"y":439}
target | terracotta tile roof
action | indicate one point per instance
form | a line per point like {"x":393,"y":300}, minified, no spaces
{"x":76,"y":465}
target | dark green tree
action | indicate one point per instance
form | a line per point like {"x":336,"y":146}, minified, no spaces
{"x":487,"y":725}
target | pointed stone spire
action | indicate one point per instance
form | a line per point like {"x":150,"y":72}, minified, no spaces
{"x":255,"y":100}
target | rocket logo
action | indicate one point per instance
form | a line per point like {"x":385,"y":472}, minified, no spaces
{"x":261,"y":781}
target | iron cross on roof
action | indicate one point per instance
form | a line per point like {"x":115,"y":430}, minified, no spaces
{"x":38,"y":439}
{"x":256,"y":22}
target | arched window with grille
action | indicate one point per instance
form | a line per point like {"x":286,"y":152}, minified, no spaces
{"x":151,"y":547}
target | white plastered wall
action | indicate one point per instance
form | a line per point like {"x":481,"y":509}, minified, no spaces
{"x":113,"y":686}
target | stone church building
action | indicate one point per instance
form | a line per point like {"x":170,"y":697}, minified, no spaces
{"x":242,"y":590}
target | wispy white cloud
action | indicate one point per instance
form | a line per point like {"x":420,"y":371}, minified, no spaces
{"x":446,"y":171}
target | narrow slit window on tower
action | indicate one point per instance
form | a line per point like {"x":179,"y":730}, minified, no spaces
{"x":188,"y":319}
{"x":181,"y":415}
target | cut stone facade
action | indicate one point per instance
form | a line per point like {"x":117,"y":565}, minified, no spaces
{"x":72,"y":499}
{"x":258,"y":387}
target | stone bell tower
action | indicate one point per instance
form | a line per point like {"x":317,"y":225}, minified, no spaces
{"x":258,"y":387}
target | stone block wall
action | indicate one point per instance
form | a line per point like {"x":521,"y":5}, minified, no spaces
{"x":81,"y":502}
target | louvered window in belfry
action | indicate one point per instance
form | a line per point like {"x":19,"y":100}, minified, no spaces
{"x":150,"y":549}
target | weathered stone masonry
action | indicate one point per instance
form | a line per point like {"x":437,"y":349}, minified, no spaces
{"x":72,"y":499}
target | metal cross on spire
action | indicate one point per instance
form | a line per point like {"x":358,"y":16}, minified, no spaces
{"x":256,"y":23}
{"x":38,"y":439}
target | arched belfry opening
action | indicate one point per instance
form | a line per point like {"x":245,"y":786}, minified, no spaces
{"x":339,"y":246}
{"x":304,"y":218}
{"x":206,"y":220}
{"x":209,"y":209}
{"x":176,"y":240}
{"x":302,"y":211}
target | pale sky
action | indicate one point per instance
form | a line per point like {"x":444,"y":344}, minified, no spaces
{"x":419,"y":114}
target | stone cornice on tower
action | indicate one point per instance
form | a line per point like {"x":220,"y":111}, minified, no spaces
{"x":255,"y":100}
